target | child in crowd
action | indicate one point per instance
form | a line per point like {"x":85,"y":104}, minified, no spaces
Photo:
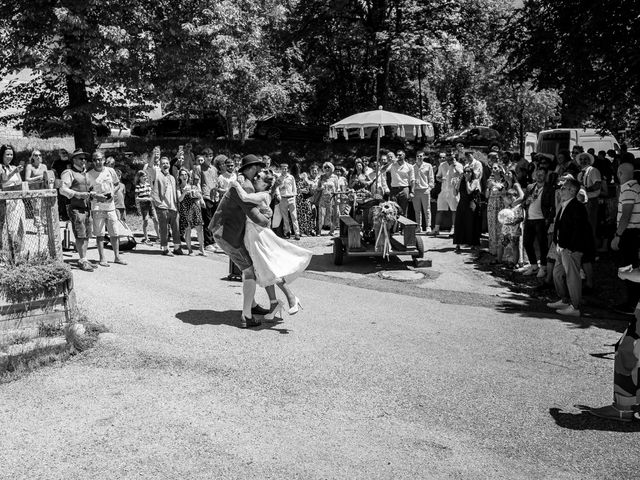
{"x":118,"y":197}
{"x":511,"y":218}
{"x":144,"y":205}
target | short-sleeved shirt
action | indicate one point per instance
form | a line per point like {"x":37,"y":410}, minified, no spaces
{"x":630,"y":195}
{"x":401,"y":175}
{"x":588,"y":177}
{"x":209,"y":182}
{"x":102,"y":182}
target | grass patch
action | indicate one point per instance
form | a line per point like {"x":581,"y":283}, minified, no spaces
{"x":80,"y":335}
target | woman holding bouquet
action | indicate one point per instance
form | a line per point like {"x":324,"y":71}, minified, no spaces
{"x":468,"y":214}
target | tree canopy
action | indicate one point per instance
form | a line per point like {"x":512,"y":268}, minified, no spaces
{"x":456,"y":63}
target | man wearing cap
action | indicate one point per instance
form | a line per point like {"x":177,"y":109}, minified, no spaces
{"x":102,"y":181}
{"x":74,"y":186}
{"x":209,"y":186}
{"x":228,"y":228}
{"x":572,"y":236}
{"x":164,"y":194}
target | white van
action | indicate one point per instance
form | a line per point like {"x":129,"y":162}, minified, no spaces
{"x":530,"y":142}
{"x":553,"y":141}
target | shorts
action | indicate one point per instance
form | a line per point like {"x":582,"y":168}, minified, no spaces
{"x":238,"y":255}
{"x":147,"y":210}
{"x":80,"y":219}
{"x":447,"y":201}
{"x":100,"y":217}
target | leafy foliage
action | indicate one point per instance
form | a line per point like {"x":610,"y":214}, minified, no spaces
{"x":589,"y":51}
{"x":30,"y":280}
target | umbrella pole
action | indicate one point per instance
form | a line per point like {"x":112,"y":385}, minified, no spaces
{"x":378,"y":153}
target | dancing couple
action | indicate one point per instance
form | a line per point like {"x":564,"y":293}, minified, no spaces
{"x":240,"y":228}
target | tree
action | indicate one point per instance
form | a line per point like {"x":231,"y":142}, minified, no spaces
{"x":90,"y":58}
{"x":418,"y":57}
{"x":589,"y":51}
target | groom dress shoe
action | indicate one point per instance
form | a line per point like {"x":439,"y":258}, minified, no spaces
{"x":249,"y":322}
{"x":258,"y":310}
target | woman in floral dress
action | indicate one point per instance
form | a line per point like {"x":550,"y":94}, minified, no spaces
{"x":303,"y":202}
{"x":495,"y":193}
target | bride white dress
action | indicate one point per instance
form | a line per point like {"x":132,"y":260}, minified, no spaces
{"x":274,"y":259}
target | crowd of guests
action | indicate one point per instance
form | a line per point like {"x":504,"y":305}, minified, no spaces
{"x":513,"y":199}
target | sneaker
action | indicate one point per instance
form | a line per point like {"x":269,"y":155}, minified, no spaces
{"x":530,"y":270}
{"x":611,"y":412}
{"x":211,"y":248}
{"x":167,"y":253}
{"x":522,"y":268}
{"x":542,"y":272}
{"x":569,"y":311}
{"x":297,"y":237}
{"x":428,"y":231}
{"x":178,"y":251}
{"x":558,"y":304}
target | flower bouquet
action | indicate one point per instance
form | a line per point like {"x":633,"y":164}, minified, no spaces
{"x":385,"y":216}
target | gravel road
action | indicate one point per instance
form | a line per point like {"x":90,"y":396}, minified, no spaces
{"x":374,"y":379}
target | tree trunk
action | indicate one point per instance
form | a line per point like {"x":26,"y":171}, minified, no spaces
{"x":80,"y":113}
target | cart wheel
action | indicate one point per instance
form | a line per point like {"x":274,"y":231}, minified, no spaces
{"x":338,"y":253}
{"x":420,"y":248}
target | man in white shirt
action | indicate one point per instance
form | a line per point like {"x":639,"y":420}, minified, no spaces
{"x":227,"y":175}
{"x":449,"y":174}
{"x":287,"y":205}
{"x":378,"y":180}
{"x":424,"y":182}
{"x":101,"y":181}
{"x":402,"y":182}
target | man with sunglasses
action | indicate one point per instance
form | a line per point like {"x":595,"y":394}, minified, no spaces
{"x":572,"y":237}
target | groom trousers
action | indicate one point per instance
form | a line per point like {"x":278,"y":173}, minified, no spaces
{"x":287,"y":207}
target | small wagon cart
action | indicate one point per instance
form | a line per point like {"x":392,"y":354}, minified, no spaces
{"x":357,"y":235}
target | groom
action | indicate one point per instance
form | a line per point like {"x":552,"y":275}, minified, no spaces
{"x":228,"y":226}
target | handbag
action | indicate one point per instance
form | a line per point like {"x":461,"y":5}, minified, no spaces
{"x":125,"y":236}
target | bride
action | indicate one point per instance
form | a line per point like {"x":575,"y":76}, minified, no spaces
{"x":275,"y":260}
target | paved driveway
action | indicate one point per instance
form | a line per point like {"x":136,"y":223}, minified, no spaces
{"x":450,"y":376}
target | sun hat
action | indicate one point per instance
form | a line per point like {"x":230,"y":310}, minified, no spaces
{"x":584,"y":155}
{"x":79,"y":153}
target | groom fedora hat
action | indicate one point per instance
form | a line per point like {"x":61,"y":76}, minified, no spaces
{"x":250,"y":160}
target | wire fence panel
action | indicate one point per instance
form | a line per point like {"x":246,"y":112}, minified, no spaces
{"x":29,"y":231}
{"x":29,"y":226}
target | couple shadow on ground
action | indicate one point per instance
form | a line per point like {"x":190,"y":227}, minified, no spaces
{"x":227,"y":317}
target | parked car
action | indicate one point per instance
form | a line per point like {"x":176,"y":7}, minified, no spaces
{"x":289,"y":127}
{"x":178,"y":124}
{"x":482,"y":137}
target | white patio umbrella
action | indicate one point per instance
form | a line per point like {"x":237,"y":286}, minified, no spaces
{"x":381,"y":118}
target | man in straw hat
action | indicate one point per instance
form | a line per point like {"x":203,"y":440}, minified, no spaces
{"x":75,"y":187}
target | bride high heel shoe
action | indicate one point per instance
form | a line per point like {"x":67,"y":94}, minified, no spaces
{"x":276,"y":308}
{"x":296,"y":307}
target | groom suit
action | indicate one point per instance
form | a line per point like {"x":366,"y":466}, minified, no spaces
{"x":228,"y":225}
